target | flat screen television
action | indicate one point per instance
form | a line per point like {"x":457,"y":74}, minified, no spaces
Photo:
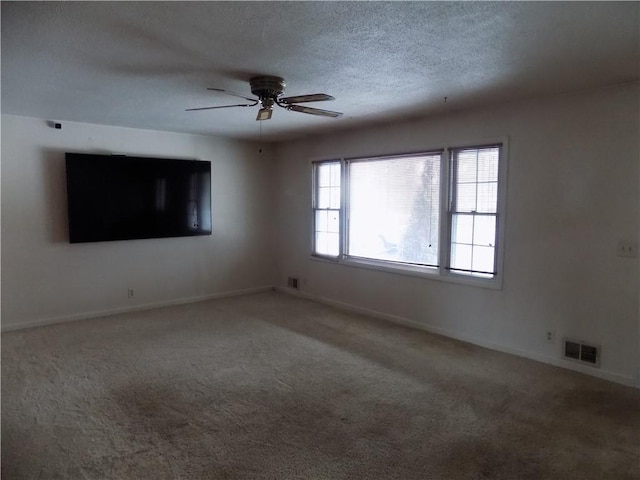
{"x":113,"y":197}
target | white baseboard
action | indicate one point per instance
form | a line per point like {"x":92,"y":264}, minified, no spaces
{"x":134,"y":308}
{"x":557,"y":362}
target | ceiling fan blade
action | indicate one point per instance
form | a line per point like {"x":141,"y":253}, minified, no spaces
{"x":313,"y":111}
{"x":314,"y":97}
{"x":222,"y":106}
{"x":234,"y":94}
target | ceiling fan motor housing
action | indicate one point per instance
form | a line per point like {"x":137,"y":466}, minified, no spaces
{"x":267,"y":87}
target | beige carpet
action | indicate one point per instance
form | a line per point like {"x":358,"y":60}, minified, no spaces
{"x":270,"y":386}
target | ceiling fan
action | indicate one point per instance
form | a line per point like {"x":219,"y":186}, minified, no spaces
{"x":269,"y":91}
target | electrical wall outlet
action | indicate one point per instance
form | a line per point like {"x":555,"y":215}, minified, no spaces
{"x":130,"y":293}
{"x":627,"y":248}
{"x":550,"y":336}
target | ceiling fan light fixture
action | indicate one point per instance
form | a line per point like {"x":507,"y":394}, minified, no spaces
{"x":264,"y":114}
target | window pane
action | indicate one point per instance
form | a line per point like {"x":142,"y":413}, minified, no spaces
{"x":461,"y":256}
{"x":394,"y":207}
{"x":488,"y":165}
{"x":467,"y":166}
{"x":484,"y":230}
{"x":328,"y":197}
{"x":327,"y":243}
{"x":322,"y":220}
{"x":321,"y":243}
{"x":333,"y":222}
{"x":466,"y":198}
{"x":487,"y":197}
{"x":333,"y":244}
{"x":483,"y":259}
{"x":324,"y":175}
{"x":328,"y":174}
{"x":324,"y":197}
{"x":462,"y":229}
{"x":327,"y":229}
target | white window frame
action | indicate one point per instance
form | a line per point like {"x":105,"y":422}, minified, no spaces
{"x":315,"y":208}
{"x":442,"y":272}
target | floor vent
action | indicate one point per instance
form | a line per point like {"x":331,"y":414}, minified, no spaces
{"x":292,"y":282}
{"x":582,"y":352}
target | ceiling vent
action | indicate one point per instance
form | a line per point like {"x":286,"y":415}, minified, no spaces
{"x":582,"y":352}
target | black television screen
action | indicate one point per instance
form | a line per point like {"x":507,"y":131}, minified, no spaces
{"x":121,"y":198}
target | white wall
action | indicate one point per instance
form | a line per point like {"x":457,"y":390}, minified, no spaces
{"x":572,"y":194}
{"x":44,"y":278}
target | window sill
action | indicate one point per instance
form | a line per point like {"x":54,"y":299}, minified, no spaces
{"x":430,"y":273}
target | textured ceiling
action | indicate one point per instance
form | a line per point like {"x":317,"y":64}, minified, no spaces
{"x":141,"y":64}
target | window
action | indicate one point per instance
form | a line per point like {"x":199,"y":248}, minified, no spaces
{"x":388,"y":212}
{"x":327,"y":208}
{"x":473,"y":210}
{"x":393,"y":209}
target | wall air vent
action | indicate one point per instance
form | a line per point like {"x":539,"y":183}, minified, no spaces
{"x":582,"y":352}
